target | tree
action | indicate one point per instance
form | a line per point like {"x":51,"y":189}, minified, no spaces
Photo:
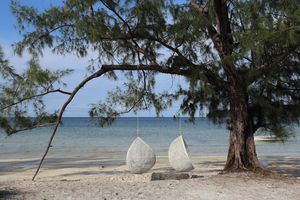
{"x":23,"y":91}
{"x":240,"y":58}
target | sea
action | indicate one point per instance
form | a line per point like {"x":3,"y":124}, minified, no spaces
{"x":81,"y":138}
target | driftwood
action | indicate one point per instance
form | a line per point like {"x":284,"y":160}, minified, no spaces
{"x":169,"y":176}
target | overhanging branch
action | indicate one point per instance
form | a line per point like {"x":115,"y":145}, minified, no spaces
{"x":103,"y":70}
{"x":201,"y":9}
{"x":157,"y":68}
{"x":62,"y":110}
{"x":35,"y":96}
{"x":30,"y":128}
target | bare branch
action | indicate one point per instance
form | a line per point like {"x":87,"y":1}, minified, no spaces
{"x":209,"y":73}
{"x":103,"y":70}
{"x":30,"y":128}
{"x":51,"y":31}
{"x":137,"y":46}
{"x":201,"y":9}
{"x":72,"y":95}
{"x":158,"y":68}
{"x":130,"y":109}
{"x":35,"y":96}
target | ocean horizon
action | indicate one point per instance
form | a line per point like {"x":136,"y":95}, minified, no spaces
{"x":81,"y":138}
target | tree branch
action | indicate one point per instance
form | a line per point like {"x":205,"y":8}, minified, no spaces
{"x":72,"y":95}
{"x":201,"y":9}
{"x":279,"y":58}
{"x":211,"y":76}
{"x":34,"y":96}
{"x":103,"y":70}
{"x":30,"y":128}
{"x":48,"y":32}
{"x":130,"y":32}
{"x":223,"y":26}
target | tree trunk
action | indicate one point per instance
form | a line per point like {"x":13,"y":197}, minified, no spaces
{"x":241,"y":151}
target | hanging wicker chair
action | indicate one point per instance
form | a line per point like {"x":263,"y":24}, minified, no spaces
{"x":178,"y":155}
{"x":140,"y":157}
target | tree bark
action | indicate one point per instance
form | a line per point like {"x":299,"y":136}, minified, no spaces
{"x":241,"y":152}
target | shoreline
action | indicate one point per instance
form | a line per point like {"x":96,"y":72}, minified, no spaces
{"x":107,"y":179}
{"x":56,"y":167}
{"x":204,"y":165}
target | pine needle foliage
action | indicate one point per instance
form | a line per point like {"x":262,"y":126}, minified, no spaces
{"x":21,"y":95}
{"x":259,"y":56}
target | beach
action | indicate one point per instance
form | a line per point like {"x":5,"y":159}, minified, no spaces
{"x":100,"y":179}
{"x":88,"y":162}
{"x":149,"y":100}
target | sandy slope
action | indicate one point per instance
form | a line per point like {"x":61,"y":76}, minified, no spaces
{"x":114,"y":182}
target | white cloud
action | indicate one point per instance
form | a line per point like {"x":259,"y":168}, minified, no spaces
{"x":94,"y":91}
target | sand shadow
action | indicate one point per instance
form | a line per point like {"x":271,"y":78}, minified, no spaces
{"x":8,"y":193}
{"x":289,"y":166}
{"x":58,"y":163}
{"x":86,"y":173}
{"x":219,"y":164}
{"x":167,"y":169}
{"x":283,"y":165}
{"x":84,"y":164}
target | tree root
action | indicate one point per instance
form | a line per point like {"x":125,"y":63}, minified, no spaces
{"x":258,"y":171}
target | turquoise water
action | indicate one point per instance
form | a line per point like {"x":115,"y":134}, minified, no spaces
{"x":80,"y":138}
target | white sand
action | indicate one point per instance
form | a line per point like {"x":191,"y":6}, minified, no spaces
{"x":115,"y":182}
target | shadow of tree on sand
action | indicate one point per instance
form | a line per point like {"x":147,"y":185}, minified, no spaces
{"x":56,"y":163}
{"x":8,"y":193}
{"x":289,"y":166}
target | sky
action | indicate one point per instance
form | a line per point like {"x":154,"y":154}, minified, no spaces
{"x":93,"y":92}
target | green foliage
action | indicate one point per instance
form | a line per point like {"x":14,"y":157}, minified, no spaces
{"x":137,"y":93}
{"x":261,"y":60}
{"x":21,"y":92}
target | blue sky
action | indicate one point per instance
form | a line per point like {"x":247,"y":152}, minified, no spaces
{"x":91,"y":93}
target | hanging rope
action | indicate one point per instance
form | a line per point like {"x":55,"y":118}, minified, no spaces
{"x":137,"y":98}
{"x":137,"y":125}
{"x":179,"y":116}
{"x":179,"y":126}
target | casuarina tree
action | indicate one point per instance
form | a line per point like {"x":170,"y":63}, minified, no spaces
{"x":239,"y":58}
